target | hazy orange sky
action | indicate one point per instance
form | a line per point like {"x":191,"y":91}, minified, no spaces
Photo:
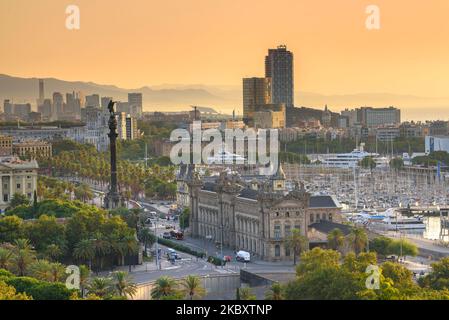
{"x":134,"y":43}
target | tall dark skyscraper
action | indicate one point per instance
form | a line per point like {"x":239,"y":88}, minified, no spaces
{"x":279,"y":67}
{"x":41,"y":98}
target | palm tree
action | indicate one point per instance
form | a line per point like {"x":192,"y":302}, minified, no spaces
{"x":192,"y":287}
{"x":336,"y":239}
{"x":24,"y":255}
{"x":102,"y":248}
{"x":358,"y":239}
{"x":6,"y":258}
{"x":53,"y":251}
{"x":147,"y":238}
{"x":85,"y":250}
{"x":276,"y":292}
{"x":164,"y":286}
{"x":47,"y":271}
{"x":84,"y":278}
{"x":297,"y":243}
{"x":101,"y":287}
{"x":130,"y":247}
{"x":123,"y":284}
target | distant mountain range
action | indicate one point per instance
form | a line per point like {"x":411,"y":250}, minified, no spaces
{"x":174,"y":97}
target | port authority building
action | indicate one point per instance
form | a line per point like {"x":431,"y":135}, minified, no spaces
{"x":253,"y":213}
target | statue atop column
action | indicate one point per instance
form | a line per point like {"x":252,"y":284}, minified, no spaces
{"x":113,"y":199}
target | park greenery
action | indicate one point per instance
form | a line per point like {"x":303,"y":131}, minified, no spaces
{"x":38,"y":239}
{"x":85,"y":163}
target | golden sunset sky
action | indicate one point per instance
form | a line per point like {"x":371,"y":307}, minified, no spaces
{"x":134,"y":43}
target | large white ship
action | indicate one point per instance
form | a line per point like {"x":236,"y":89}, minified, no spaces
{"x":352,"y":159}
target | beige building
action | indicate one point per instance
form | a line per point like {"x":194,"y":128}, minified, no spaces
{"x":32,"y":149}
{"x":17,"y":176}
{"x":5,"y":145}
{"x":270,"y":116}
{"x":254,"y":214}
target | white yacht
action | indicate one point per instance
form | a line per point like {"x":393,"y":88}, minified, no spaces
{"x":352,"y":159}
{"x":400,"y":223}
{"x":225,"y":157}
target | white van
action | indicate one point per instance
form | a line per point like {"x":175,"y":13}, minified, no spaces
{"x":243,"y":256}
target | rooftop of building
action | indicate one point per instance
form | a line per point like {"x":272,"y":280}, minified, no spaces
{"x":328,"y":226}
{"x":13,"y":162}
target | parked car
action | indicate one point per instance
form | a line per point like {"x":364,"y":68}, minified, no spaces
{"x":243,"y":256}
{"x":166,"y":235}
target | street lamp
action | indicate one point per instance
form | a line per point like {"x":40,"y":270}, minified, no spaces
{"x":158,"y":263}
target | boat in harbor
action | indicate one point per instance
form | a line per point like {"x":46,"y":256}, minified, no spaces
{"x":352,"y":159}
{"x":399,"y":223}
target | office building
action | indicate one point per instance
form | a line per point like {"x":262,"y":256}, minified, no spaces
{"x":270,"y":116}
{"x":135,"y":104}
{"x":131,"y":128}
{"x":5,"y":146}
{"x":41,"y":98}
{"x":105,"y":102}
{"x":58,"y":106}
{"x":93,"y":101}
{"x":22,"y":110}
{"x":279,"y":67}
{"x":376,"y":117}
{"x":256,"y":92}
{"x":8,"y":108}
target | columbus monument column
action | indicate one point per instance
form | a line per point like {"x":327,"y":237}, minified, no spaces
{"x":113,"y":199}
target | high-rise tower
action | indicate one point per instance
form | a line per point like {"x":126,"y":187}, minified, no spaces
{"x":279,"y":67}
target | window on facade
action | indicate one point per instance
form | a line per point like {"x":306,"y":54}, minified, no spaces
{"x":287,"y":214}
{"x":277,"y":214}
{"x":330,"y":216}
{"x":5,"y":198}
{"x":287,"y":251}
{"x":287,"y":229}
{"x":277,"y":250}
{"x":29,"y":185}
{"x":312,"y":218}
{"x":277,"y":231}
{"x":18,"y":186}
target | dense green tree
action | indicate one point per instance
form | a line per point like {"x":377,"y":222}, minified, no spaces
{"x":246,"y":293}
{"x":11,"y":228}
{"x":276,"y":292}
{"x":381,"y":245}
{"x":402,"y":247}
{"x":18,"y":199}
